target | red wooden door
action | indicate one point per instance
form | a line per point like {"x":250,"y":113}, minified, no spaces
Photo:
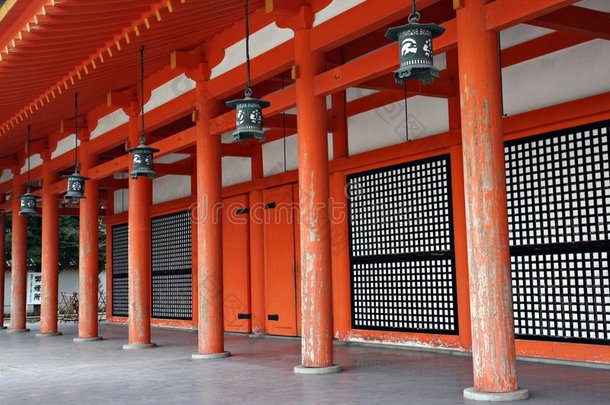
{"x":280,"y":266}
{"x":236,"y":264}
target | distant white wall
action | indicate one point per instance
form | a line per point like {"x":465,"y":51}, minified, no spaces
{"x":169,"y":91}
{"x":109,"y":122}
{"x":273,"y":154}
{"x":566,"y":75}
{"x":6,"y":175}
{"x":236,"y":170}
{"x":68,"y":284}
{"x":64,"y":145}
{"x":35,"y":161}
{"x":171,"y":187}
{"x":385,"y":126}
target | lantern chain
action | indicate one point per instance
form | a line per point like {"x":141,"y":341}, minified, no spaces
{"x":248,"y":91}
{"x":406,"y":114}
{"x":27,"y":156}
{"x":76,"y":132}
{"x":142,"y":134}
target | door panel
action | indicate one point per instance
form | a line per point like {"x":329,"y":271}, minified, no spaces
{"x":280,"y":269}
{"x":236,"y":264}
{"x":297,"y":253}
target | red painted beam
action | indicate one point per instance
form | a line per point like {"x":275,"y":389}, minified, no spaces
{"x":501,"y":14}
{"x":577,"y":20}
{"x":550,"y":43}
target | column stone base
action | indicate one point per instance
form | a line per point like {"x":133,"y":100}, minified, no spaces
{"x":300,"y":369}
{"x":87,"y":339}
{"x":139,"y":346}
{"x":472,"y":394}
{"x":18,"y":330}
{"x":48,"y":334}
{"x":210,"y":356}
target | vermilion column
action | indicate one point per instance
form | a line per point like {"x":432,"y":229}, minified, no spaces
{"x":2,"y":261}
{"x":88,"y":253}
{"x":316,"y":275}
{"x":139,"y":261}
{"x":493,"y":344}
{"x":49,"y":252}
{"x":209,"y":231}
{"x":18,"y":260}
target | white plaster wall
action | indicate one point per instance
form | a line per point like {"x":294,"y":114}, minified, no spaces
{"x":68,"y":283}
{"x":172,"y":158}
{"x":109,"y":122}
{"x":168,"y":91}
{"x":335,"y":8}
{"x":272,"y":36}
{"x":236,"y":170}
{"x":521,"y":33}
{"x":65,"y":145}
{"x":6,"y":175}
{"x":35,"y":161}
{"x":273,"y":155}
{"x":171,"y":187}
{"x":569,"y":74}
{"x":261,"y":41}
{"x":385,"y":126}
{"x":121,"y":197}
{"x":599,"y":5}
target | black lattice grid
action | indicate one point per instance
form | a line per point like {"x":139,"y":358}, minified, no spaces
{"x":120,"y":293}
{"x":558,"y":187}
{"x":401,"y":248}
{"x":562,"y":296}
{"x":558,"y":198}
{"x":172,"y":266}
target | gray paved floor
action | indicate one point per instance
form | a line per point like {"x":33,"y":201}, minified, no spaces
{"x":58,"y":371}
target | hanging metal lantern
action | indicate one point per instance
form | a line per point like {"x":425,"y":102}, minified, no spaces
{"x":249,"y":118}
{"x":76,"y":182}
{"x":76,"y":186}
{"x":29,"y":204}
{"x":415,"y":49}
{"x":142,"y":158}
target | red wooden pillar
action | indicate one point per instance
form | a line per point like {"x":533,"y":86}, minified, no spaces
{"x":139,"y":260}
{"x":18,"y":259}
{"x":2,"y":261}
{"x":88,"y":252}
{"x":493,"y":342}
{"x":316,"y":271}
{"x":209,"y":231}
{"x":49,"y":251}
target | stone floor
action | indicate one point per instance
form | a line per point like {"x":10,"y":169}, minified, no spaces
{"x":54,"y":370}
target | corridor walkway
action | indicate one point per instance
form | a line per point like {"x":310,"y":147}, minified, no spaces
{"x":55,"y":370}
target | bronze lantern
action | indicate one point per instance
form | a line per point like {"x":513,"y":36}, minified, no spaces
{"x":249,"y":116}
{"x":415,"y":49}
{"x":142,"y":155}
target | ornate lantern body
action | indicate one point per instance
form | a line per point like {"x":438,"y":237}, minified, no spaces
{"x":415,"y":49}
{"x":248,"y":118}
{"x":142,"y":158}
{"x":29,"y":204}
{"x":76,"y":186}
